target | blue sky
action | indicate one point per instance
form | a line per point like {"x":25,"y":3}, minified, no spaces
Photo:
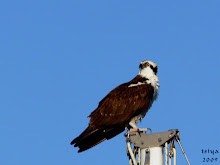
{"x":58,"y":59}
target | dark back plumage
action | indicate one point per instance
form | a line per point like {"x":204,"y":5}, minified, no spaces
{"x":114,"y":112}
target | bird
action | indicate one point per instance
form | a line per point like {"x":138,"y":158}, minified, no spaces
{"x":122,"y":108}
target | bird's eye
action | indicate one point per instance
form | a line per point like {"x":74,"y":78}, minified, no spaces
{"x":147,"y":64}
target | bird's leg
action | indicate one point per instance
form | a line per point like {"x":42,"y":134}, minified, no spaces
{"x":136,"y":129}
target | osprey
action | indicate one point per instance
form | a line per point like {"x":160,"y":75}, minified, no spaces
{"x":122,"y":108}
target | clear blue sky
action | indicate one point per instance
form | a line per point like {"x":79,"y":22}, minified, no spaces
{"x":58,"y":59}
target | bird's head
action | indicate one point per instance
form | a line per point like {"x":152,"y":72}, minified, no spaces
{"x":147,"y":68}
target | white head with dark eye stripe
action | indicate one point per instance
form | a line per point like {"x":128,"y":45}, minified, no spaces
{"x":148,"y":69}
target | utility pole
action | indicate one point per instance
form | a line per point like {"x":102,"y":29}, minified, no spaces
{"x":148,"y":149}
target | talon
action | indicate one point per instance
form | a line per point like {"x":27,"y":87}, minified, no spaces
{"x":134,"y":130}
{"x":140,"y":130}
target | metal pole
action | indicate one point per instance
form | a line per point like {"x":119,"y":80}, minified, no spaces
{"x":131,"y":153}
{"x":139,"y":156}
{"x":174,"y":156}
{"x":151,"y":148}
{"x":156,"y":156}
{"x":143,"y":156}
{"x":166,"y":153}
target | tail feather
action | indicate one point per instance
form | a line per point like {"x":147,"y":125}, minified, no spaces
{"x":87,"y":132}
{"x":91,"y":137}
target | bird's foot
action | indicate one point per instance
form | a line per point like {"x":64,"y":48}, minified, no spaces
{"x":134,"y":131}
{"x":140,"y":130}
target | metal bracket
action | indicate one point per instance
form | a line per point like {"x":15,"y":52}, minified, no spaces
{"x":142,"y":140}
{"x":150,"y":147}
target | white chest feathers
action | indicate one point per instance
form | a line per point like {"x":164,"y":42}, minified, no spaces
{"x":151,"y":79}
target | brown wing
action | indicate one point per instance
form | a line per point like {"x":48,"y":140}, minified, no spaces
{"x":121,"y":104}
{"x":114,"y":111}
